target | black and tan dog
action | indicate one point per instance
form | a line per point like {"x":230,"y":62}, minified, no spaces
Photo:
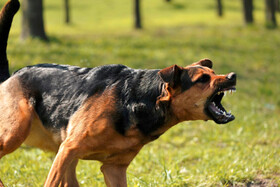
{"x":107,"y":113}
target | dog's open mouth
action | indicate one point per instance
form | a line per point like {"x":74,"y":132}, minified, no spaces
{"x":215,"y":109}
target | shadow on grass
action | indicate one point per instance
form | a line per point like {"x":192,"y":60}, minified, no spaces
{"x":178,"y":6}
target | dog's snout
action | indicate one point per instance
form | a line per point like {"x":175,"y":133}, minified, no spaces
{"x":231,"y":76}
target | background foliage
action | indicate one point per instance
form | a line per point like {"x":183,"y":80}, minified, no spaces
{"x":246,"y":151}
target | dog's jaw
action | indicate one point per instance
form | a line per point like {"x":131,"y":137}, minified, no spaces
{"x":213,"y":106}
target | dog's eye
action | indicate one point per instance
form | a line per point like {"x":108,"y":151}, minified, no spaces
{"x":204,"y":78}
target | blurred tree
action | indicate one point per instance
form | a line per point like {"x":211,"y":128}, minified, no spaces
{"x":248,"y":11}
{"x":32,"y":19}
{"x":137,"y":14}
{"x":270,"y":13}
{"x":67,"y":11}
{"x":220,"y":8}
{"x":277,"y":5}
{"x":167,"y":0}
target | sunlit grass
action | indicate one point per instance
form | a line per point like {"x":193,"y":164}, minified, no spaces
{"x":191,"y":153}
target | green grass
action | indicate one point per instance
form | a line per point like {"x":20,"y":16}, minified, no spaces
{"x":181,"y":32}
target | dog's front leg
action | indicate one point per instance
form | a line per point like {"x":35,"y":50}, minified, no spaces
{"x":70,"y":179}
{"x":114,"y":175}
{"x":65,"y":156}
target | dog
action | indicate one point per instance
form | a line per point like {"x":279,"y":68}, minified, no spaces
{"x":107,"y":113}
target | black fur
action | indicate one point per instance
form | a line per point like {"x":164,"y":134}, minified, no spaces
{"x":60,"y":90}
{"x":185,"y":79}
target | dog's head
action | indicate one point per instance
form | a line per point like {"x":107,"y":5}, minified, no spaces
{"x":195,"y":92}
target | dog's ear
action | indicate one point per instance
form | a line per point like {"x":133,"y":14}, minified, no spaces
{"x":171,"y":75}
{"x":204,"y":62}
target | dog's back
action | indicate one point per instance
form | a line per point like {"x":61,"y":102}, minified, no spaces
{"x":58,"y":91}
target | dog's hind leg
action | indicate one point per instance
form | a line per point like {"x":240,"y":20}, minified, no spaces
{"x":15,"y":116}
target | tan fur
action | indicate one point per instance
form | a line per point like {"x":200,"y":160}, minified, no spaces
{"x":114,"y":175}
{"x":69,"y":179}
{"x":90,"y":135}
{"x":38,"y":136}
{"x":15,"y":116}
{"x":190,"y":105}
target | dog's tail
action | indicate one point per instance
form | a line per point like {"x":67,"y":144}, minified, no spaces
{"x":6,"y":17}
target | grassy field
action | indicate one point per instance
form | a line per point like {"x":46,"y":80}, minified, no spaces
{"x":244,"y":152}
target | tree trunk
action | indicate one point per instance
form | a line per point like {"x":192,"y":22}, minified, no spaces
{"x":220,"y":8}
{"x":277,"y":5}
{"x":137,"y":14}
{"x":32,"y":20}
{"x":67,"y":11}
{"x":248,"y":11}
{"x":270,"y":13}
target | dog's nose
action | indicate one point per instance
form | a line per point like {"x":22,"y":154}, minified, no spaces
{"x":231,"y":76}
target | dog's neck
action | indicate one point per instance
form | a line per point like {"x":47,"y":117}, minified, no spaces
{"x":163,"y":117}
